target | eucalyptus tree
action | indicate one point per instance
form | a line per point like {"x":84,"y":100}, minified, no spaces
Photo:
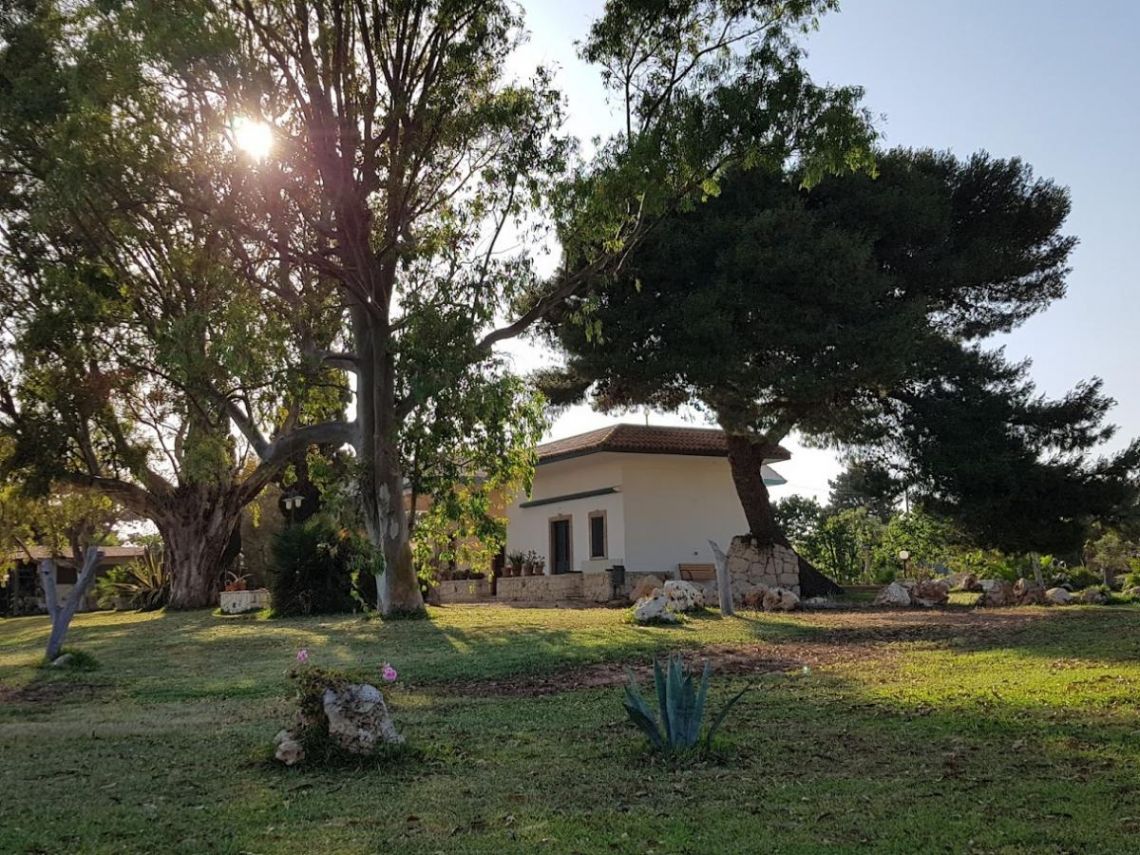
{"x":430,"y":175}
{"x":133,"y":331}
{"x":410,"y":172}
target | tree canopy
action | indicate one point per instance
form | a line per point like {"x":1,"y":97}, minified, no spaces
{"x":852,"y":312}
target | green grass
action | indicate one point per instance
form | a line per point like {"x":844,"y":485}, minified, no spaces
{"x":1005,"y":731}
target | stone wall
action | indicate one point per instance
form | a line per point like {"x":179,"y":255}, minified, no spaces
{"x":564,"y":587}
{"x":464,"y":590}
{"x":772,"y":567}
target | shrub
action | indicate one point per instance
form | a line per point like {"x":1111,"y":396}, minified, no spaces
{"x":676,"y":726}
{"x":321,"y":569}
{"x":140,"y":584}
{"x":1077,"y":578}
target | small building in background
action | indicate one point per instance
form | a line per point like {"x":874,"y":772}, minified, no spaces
{"x":647,"y":498}
{"x":23,"y":594}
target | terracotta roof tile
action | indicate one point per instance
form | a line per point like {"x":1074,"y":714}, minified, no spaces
{"x":641,"y":439}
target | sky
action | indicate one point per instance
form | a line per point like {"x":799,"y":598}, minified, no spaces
{"x":1053,"y":83}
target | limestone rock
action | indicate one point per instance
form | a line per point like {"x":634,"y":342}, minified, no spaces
{"x":1093,"y":597}
{"x":1133,"y":593}
{"x":645,"y":587}
{"x":289,"y":750}
{"x":929,"y":593}
{"x":1059,"y":596}
{"x":753,"y":598}
{"x":1028,"y":593}
{"x":781,"y":600}
{"x":358,"y":718}
{"x":750,"y":566}
{"x":683,"y":596}
{"x":654,"y":609}
{"x":893,"y":594}
{"x":966,"y":582}
{"x":996,"y":593}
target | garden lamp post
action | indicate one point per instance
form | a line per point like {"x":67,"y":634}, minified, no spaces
{"x":292,"y":505}
{"x":904,"y":557}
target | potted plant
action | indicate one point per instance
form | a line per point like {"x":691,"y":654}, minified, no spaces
{"x":528,"y":563}
{"x":514,"y":563}
{"x":540,"y":565}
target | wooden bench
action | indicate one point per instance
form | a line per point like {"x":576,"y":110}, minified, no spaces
{"x":697,"y":572}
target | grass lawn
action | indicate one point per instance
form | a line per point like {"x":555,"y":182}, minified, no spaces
{"x":958,"y":731}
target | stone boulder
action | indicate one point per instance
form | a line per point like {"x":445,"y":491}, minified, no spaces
{"x":358,"y":718}
{"x":966,"y":582}
{"x":645,"y":587}
{"x":287,"y":749}
{"x":996,"y":594}
{"x":929,"y":593}
{"x":753,"y":598}
{"x":893,"y":594}
{"x":1059,"y":596}
{"x":683,"y":596}
{"x":1132,"y":593}
{"x":1027,"y":593}
{"x":654,"y":609}
{"x":1093,"y":597}
{"x":781,"y":600}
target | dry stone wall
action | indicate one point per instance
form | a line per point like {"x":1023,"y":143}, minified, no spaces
{"x":751,"y":567}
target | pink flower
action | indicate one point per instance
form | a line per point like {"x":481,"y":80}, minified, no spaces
{"x":303,"y":655}
{"x":388,"y":673}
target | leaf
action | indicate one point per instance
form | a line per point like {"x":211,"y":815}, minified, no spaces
{"x":719,"y":720}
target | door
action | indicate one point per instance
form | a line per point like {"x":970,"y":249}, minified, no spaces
{"x":560,"y":553}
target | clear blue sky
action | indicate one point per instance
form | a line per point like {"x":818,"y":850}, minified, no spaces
{"x":1054,"y":83}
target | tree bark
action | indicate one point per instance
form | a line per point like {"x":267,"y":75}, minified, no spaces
{"x":746,"y":459}
{"x":381,"y":476}
{"x":197,"y":525}
{"x":62,"y":613}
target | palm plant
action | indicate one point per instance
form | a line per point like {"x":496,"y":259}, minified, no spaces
{"x":141,"y":584}
{"x":676,"y":726}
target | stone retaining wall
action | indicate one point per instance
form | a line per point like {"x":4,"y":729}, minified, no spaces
{"x":772,"y":567}
{"x":464,"y":590}
{"x":565,"y":587}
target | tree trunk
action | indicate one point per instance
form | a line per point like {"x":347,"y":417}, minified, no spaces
{"x":381,"y":476}
{"x":196,"y":527}
{"x":746,"y":459}
{"x":62,"y":613}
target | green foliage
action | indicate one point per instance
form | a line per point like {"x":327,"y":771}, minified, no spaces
{"x":140,"y":584}
{"x":676,"y":725}
{"x":315,"y":564}
{"x":78,"y":661}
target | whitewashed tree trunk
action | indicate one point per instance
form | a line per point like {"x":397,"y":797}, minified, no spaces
{"x":62,"y":613}
{"x":723,"y":580}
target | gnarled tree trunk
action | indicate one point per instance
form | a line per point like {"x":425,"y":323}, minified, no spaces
{"x":746,"y":459}
{"x":197,"y":525}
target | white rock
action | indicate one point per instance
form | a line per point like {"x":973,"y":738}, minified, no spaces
{"x":289,"y":752}
{"x":358,"y":718}
{"x":683,"y":596}
{"x":780,"y":600}
{"x":654,"y":609}
{"x":893,"y":595}
{"x":1059,"y":596}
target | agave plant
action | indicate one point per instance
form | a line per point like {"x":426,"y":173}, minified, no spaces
{"x":140,"y":584}
{"x":676,"y":726}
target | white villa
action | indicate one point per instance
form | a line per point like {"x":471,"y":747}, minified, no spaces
{"x":646,"y":498}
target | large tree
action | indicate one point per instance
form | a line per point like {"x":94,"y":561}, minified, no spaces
{"x":851,"y":313}
{"x":132,"y":330}
{"x":406,"y":148}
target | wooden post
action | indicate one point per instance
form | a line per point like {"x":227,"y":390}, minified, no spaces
{"x":62,"y":613}
{"x":723,"y":581}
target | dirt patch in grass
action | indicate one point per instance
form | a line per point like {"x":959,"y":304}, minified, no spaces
{"x":833,"y":639}
{"x":45,"y":695}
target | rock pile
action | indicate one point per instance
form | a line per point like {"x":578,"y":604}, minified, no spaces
{"x":667,"y":603}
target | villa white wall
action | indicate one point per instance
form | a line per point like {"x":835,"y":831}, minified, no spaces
{"x":668,"y":508}
{"x":673,"y":505}
{"x":529,"y":528}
